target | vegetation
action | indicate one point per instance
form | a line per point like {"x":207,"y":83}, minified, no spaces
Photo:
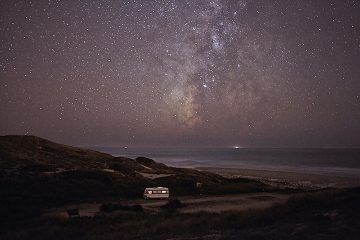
{"x":36,"y":174}
{"x":323,"y":215}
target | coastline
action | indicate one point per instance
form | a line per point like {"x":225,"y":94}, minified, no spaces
{"x":288,"y":179}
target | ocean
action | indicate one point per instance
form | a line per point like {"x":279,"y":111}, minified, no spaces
{"x":335,"y":162}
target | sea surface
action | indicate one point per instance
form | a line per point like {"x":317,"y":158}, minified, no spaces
{"x":336,"y":162}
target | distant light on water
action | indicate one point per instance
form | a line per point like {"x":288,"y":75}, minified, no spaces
{"x":236,"y":147}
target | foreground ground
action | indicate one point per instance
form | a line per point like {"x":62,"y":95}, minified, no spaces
{"x":41,"y":180}
{"x":211,"y":204}
{"x":327,"y":214}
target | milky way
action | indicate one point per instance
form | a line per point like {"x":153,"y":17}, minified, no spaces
{"x":164,"y":73}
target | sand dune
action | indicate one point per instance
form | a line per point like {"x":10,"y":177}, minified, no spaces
{"x":288,"y":179}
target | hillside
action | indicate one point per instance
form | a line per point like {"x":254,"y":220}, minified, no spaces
{"x":31,"y":151}
{"x":37,"y":173}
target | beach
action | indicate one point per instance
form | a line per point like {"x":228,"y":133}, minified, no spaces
{"x":288,"y":179}
{"x":66,"y":192}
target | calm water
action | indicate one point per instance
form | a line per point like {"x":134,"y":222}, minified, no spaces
{"x":339,"y":162}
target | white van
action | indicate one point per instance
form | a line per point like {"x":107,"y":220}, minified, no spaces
{"x":156,"y":193}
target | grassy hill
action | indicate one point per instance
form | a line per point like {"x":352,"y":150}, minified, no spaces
{"x":36,"y":173}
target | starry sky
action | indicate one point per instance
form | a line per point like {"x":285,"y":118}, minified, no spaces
{"x":211,"y":73}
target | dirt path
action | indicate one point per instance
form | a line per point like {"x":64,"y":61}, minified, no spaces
{"x":219,"y":204}
{"x":214,"y":204}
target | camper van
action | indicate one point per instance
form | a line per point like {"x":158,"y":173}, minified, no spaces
{"x":156,"y":193}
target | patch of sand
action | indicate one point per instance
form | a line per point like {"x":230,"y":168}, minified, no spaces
{"x":288,"y":179}
{"x":153,"y":175}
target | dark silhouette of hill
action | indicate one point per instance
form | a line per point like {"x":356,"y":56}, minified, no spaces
{"x":24,"y":151}
{"x":37,"y":173}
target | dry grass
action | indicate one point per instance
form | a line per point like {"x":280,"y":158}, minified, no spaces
{"x":323,"y":215}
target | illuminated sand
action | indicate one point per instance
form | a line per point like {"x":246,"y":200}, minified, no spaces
{"x":289,"y":179}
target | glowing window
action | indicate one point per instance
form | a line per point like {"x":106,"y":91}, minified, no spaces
{"x":149,"y":192}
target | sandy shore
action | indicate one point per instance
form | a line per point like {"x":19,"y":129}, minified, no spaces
{"x":288,"y":179}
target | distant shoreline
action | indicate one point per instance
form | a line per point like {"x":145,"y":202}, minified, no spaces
{"x":295,"y":179}
{"x":324,"y":162}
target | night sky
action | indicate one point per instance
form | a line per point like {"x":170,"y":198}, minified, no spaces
{"x":182,"y":72}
